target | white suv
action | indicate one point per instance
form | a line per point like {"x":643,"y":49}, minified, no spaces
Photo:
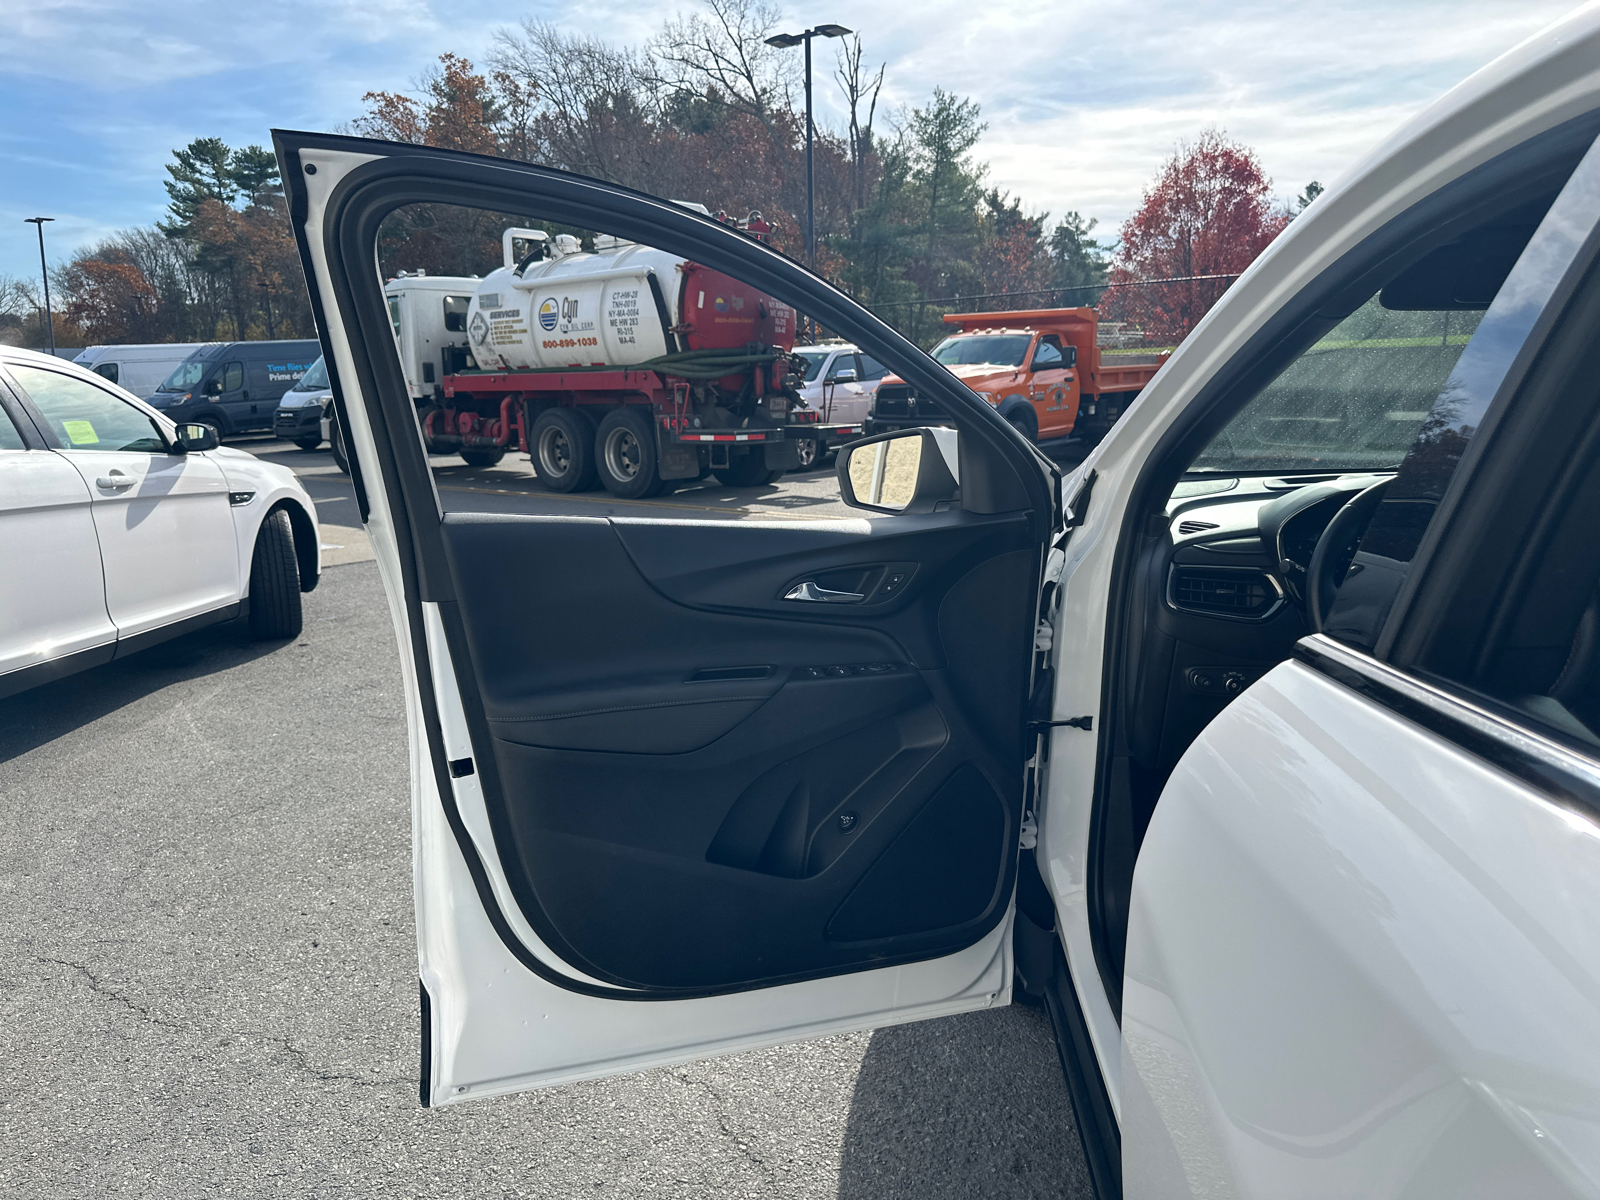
{"x":119,"y":529}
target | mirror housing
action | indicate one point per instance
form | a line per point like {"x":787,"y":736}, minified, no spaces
{"x":848,"y":375}
{"x":213,"y":387}
{"x":197,"y":436}
{"x":904,"y":471}
{"x":1069,"y":356}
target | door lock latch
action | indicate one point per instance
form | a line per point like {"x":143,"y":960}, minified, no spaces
{"x":1084,"y":723}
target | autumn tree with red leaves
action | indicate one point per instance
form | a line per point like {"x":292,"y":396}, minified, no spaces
{"x":1208,"y":213}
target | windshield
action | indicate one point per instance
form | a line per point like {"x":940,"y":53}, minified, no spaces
{"x":813,"y":360}
{"x":1353,"y":402}
{"x":994,"y":349}
{"x":186,"y":376}
{"x":312,"y":380}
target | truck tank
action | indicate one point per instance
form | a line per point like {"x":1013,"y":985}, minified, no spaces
{"x":622,"y":305}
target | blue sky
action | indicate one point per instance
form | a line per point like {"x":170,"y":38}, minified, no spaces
{"x":1083,"y":100}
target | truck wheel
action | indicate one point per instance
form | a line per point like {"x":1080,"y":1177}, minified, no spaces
{"x":808,"y":452}
{"x":625,"y":454}
{"x":748,"y":471}
{"x":275,"y":580}
{"x":482,"y":458}
{"x":336,"y":440}
{"x":563,"y":450}
{"x":308,"y":443}
{"x":1025,"y":423}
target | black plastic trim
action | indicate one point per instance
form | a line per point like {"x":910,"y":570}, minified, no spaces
{"x":425,"y":1078}
{"x":1098,"y":1131}
{"x":1561,"y":773}
{"x":39,"y":674}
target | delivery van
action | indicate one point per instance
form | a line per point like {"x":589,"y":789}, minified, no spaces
{"x":139,"y":369}
{"x":235,"y":386}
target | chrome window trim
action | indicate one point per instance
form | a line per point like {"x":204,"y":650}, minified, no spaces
{"x":1554,"y":768}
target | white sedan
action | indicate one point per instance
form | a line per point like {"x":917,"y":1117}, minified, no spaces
{"x":119,"y":529}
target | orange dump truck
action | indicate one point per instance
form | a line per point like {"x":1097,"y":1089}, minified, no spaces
{"x":1042,"y":368}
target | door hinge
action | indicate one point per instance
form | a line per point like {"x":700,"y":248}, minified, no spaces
{"x":1030,"y":832}
{"x":1085,"y":723}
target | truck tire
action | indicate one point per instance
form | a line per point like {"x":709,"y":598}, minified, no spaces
{"x":307,"y":443}
{"x":562,"y":448}
{"x":625,"y":454}
{"x":275,"y":581}
{"x":747,"y":471}
{"x":482,"y":458}
{"x":1024,"y":422}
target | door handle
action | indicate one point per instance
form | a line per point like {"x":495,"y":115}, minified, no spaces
{"x":810,"y":591}
{"x":115,"y":481}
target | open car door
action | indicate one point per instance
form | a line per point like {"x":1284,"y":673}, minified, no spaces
{"x":681,"y":787}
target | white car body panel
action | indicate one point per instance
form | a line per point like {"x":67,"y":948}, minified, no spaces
{"x":1418,"y":926}
{"x":167,"y":540}
{"x":1549,"y":79}
{"x":482,"y":998}
{"x":58,"y":605}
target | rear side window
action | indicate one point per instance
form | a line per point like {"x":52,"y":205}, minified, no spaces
{"x":85,"y":417}
{"x":10,"y":439}
{"x":871,"y":369}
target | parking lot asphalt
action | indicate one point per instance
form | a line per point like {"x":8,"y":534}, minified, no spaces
{"x":210,"y":972}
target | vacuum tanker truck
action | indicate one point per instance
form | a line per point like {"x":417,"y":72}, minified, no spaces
{"x":623,"y":365}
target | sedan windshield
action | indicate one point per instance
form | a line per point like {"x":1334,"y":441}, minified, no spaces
{"x":186,"y":376}
{"x":991,"y":349}
{"x":313,"y":380}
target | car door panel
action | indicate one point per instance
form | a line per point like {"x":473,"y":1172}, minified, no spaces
{"x":1406,"y":925}
{"x":167,"y":539}
{"x":653,"y":821}
{"x":715,"y":804}
{"x":52,"y":593}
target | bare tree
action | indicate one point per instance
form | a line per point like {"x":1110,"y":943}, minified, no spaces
{"x":725,"y":55}
{"x":859,"y":88}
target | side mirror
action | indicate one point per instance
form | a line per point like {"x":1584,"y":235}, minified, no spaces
{"x":907,"y":471}
{"x":196,"y":436}
{"x":1070,"y":356}
{"x":845,"y":376}
{"x":213,"y":387}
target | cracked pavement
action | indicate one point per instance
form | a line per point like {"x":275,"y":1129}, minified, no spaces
{"x":209,"y":977}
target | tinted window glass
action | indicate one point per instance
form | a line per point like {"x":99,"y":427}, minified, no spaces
{"x":108,"y":370}
{"x":455,"y":313}
{"x":85,"y":417}
{"x":871,"y":369}
{"x":232,"y":377}
{"x":10,"y":439}
{"x":1353,"y":401}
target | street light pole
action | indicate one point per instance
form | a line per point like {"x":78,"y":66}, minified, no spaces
{"x":785,"y":41}
{"x":44,"y":273}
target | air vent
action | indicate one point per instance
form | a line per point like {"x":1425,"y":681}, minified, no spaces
{"x":1196,"y":526}
{"x":1240,"y":592}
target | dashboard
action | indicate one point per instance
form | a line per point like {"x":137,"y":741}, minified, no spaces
{"x":1220,"y":600}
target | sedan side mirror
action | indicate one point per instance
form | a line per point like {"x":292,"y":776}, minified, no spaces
{"x":845,"y":376}
{"x":197,"y":436}
{"x":907,"y":471}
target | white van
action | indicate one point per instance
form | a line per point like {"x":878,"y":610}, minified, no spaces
{"x":139,"y":369}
